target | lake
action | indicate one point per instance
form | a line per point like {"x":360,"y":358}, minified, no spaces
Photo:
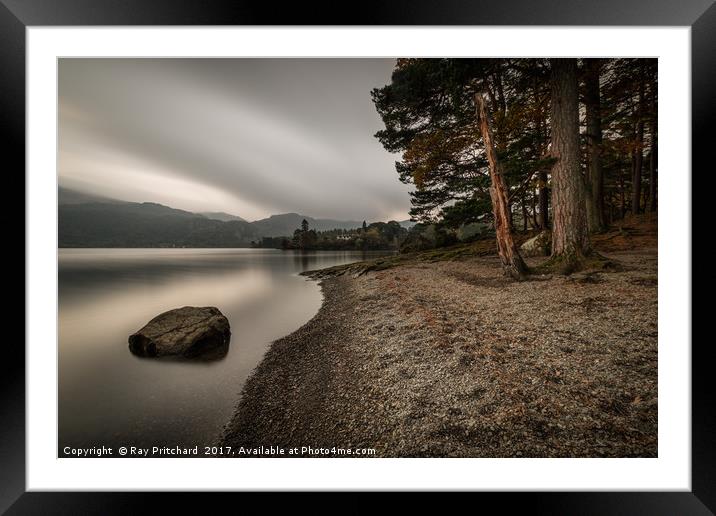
{"x":109,"y":397}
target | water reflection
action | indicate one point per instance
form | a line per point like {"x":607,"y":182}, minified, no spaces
{"x":107,"y":396}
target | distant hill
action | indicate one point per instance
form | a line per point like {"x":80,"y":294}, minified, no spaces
{"x":92,"y":221}
{"x":68,"y":196}
{"x":220,"y":215}
{"x":407,"y":224}
{"x":146,"y":225}
{"x":286,"y":223}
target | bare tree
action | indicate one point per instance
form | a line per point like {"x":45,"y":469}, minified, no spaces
{"x":512,"y":262}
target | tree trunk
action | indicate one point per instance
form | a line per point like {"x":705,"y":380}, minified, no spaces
{"x":653,"y":155}
{"x":543,"y":201}
{"x":645,"y":191}
{"x":512,"y":262}
{"x":652,"y":176}
{"x":595,"y":180}
{"x":636,"y":171}
{"x":570,"y":236}
{"x":622,"y":195}
{"x":543,"y":192}
{"x":638,"y":151}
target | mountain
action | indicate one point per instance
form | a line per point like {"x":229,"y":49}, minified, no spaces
{"x":286,"y":223}
{"x":220,"y":215}
{"x":68,"y":196}
{"x":86,"y":220}
{"x":130,"y":224}
{"x":407,"y":224}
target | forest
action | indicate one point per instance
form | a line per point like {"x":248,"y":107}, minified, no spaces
{"x":369,"y":237}
{"x":567,"y":146}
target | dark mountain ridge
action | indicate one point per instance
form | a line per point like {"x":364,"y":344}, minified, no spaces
{"x":145,"y":225}
{"x":221,"y":215}
{"x":103,"y":222}
{"x":69,"y":196}
{"x":285,"y":224}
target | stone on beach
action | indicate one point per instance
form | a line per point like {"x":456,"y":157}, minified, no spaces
{"x":184,"y":332}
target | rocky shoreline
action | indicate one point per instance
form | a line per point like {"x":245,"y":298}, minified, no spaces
{"x":451,"y":359}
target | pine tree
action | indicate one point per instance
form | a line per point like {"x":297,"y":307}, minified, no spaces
{"x":570,"y":236}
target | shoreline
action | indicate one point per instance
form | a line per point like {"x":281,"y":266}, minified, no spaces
{"x":450,"y":359}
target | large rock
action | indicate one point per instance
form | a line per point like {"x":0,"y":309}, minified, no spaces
{"x":185,"y":332}
{"x":539,"y":245}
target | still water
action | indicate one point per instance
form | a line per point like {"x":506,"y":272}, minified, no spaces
{"x":109,"y":397}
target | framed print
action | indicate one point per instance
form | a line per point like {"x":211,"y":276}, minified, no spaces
{"x":428,"y":248}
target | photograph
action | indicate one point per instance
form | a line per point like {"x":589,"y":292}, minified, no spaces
{"x":359,"y":257}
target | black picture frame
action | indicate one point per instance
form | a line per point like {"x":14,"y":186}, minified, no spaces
{"x":16,"y":15}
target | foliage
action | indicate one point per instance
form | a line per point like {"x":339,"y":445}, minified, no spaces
{"x":429,"y":118}
{"x":375,"y":236}
{"x":466,"y":211}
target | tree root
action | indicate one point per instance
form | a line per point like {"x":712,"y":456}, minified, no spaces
{"x":565,"y":265}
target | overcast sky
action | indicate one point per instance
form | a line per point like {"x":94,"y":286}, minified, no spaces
{"x":252,"y":137}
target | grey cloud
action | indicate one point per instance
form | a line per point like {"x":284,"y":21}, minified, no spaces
{"x":250,"y":136}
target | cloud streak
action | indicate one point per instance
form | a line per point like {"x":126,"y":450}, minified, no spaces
{"x":247,"y":136}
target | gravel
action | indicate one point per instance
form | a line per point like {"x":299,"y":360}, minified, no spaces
{"x":451,"y":359}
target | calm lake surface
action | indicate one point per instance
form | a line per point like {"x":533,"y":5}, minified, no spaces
{"x":109,"y":397}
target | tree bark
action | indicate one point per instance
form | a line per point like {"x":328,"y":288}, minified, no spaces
{"x":570,"y":236}
{"x":512,"y":262}
{"x":595,"y":179}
